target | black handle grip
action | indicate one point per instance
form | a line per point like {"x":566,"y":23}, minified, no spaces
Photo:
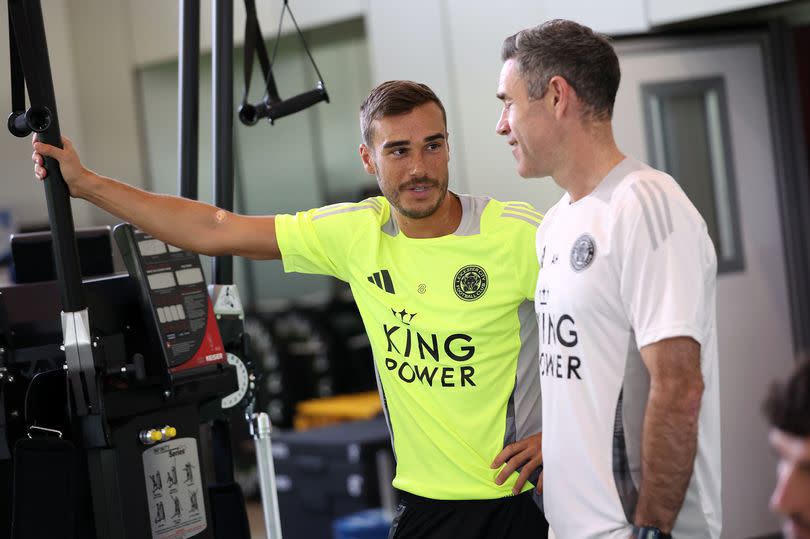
{"x":36,"y":119}
{"x":296,"y":103}
{"x":17,"y":124}
{"x":251,"y":114}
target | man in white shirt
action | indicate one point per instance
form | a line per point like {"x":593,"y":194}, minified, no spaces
{"x":625,"y":300}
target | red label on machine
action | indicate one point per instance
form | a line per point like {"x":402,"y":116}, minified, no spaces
{"x":211,"y":350}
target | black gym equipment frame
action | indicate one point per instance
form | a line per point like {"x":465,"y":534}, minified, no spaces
{"x":90,"y":409}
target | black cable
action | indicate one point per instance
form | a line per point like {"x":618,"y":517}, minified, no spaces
{"x":272,"y":106}
{"x":304,"y":42}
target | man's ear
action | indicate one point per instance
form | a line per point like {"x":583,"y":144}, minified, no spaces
{"x":368,"y":159}
{"x":560,"y":94}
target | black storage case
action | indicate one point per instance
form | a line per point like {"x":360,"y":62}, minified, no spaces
{"x":326,"y":473}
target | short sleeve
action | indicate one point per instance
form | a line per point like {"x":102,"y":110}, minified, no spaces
{"x":520,"y":221}
{"x":668,"y":263}
{"x":527,"y":264}
{"x":307,"y":246}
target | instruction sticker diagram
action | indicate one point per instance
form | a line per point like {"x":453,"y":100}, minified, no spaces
{"x":173,"y":489}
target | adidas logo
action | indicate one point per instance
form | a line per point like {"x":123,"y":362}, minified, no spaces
{"x":383,"y":280}
{"x":543,"y":296}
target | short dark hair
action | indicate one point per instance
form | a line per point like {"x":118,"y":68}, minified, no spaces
{"x":584,"y":58}
{"x":788,"y":404}
{"x":392,"y":98}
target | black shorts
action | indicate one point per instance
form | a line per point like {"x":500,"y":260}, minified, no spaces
{"x":513,"y":517}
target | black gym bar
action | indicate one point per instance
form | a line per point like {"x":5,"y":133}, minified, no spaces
{"x":188,"y":97}
{"x":223,"y":124}
{"x":29,"y":33}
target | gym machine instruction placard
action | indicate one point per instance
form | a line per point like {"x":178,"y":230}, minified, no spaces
{"x":174,"y":489}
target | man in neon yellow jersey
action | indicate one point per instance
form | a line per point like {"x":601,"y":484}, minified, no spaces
{"x":445,"y":285}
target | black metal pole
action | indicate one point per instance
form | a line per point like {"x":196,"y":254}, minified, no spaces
{"x":29,"y":32}
{"x":223,"y":123}
{"x":188,"y":105}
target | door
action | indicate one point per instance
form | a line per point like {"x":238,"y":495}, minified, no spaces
{"x":698,"y":108}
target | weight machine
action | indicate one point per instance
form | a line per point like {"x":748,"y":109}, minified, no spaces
{"x":105,"y":382}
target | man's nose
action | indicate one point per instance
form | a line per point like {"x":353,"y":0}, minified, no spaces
{"x":418,"y":166}
{"x":502,"y":127}
{"x":783,"y":495}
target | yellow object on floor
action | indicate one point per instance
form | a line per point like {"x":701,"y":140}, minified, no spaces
{"x":331,"y":410}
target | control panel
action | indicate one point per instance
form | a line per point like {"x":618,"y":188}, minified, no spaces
{"x":173,"y":293}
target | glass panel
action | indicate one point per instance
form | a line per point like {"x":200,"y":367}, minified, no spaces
{"x":721,"y":183}
{"x":688,"y":138}
{"x":687,"y":153}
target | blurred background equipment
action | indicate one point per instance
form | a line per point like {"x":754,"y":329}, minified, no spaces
{"x":338,"y":409}
{"x":6,"y":230}
{"x":309,"y":350}
{"x":330,"y":472}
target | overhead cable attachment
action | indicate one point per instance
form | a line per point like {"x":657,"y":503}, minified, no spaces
{"x":272,"y":106}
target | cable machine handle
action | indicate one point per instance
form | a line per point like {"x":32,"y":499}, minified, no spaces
{"x":250,"y":114}
{"x":36,"y":119}
{"x":272,"y":106}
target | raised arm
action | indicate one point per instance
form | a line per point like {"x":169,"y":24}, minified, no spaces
{"x":669,"y":435}
{"x":185,"y":223}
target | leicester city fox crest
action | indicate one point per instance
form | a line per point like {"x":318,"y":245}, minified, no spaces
{"x":583,"y":252}
{"x":470,"y":282}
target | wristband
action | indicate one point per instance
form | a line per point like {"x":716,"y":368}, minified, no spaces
{"x":649,"y":532}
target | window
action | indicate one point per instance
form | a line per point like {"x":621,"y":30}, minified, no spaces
{"x":688,"y":137}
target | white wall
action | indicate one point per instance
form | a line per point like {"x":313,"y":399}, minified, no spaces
{"x":105,"y":79}
{"x":667,"y":11}
{"x":624,"y":17}
{"x":616,"y":17}
{"x":154,"y":22}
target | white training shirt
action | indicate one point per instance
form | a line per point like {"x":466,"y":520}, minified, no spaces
{"x":626,"y":266}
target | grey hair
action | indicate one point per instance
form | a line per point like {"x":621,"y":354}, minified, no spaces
{"x":584,"y":58}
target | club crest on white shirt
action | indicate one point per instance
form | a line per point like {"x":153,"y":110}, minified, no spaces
{"x":583,"y":252}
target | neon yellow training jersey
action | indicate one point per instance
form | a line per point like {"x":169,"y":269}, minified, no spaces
{"x":452,"y":325}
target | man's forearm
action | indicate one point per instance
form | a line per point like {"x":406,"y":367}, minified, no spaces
{"x":668,"y":448}
{"x":181,"y":222}
{"x":184,"y":223}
